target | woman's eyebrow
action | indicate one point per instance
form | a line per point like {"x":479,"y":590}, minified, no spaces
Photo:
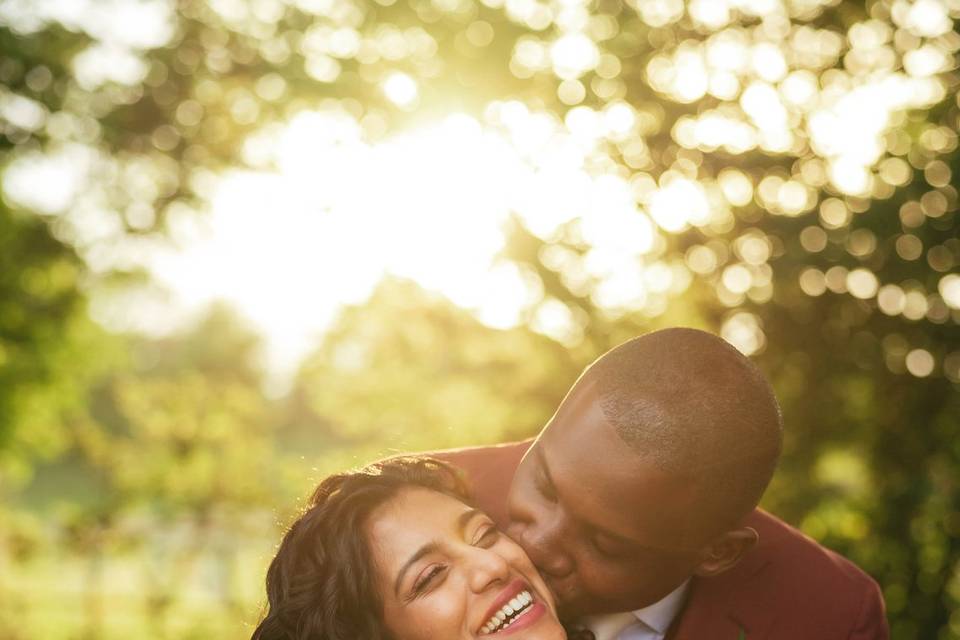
{"x":462,"y":520}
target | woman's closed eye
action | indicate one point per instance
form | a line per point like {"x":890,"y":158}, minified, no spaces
{"x":486,"y":535}
{"x":428,"y":579}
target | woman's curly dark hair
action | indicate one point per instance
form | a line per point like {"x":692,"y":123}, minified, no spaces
{"x":321,"y":584}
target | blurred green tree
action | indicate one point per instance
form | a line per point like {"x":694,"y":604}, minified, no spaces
{"x":45,"y":337}
{"x":410,"y":371}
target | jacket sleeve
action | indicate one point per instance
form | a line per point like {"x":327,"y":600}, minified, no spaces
{"x":871,"y":623}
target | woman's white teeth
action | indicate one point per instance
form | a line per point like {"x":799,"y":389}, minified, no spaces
{"x":520,"y":602}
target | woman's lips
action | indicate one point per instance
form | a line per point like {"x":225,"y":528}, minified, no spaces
{"x":509,"y":593}
{"x":531,"y":611}
{"x":525,"y":619}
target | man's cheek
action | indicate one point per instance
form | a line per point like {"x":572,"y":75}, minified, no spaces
{"x":607,"y":580}
{"x":596,"y":578}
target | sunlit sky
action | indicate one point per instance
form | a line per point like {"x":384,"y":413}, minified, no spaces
{"x":326,"y":210}
{"x":290,"y":248}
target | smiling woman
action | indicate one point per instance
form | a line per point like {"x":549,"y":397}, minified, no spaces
{"x":394,"y":551}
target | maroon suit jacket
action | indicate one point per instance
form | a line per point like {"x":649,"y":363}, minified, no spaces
{"x":787,"y":588}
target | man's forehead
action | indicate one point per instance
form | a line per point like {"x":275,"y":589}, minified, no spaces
{"x":580,"y":428}
{"x":602,"y":481}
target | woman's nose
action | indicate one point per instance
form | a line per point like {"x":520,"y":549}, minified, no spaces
{"x":486,"y":567}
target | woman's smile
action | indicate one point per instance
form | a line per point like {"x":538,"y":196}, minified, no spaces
{"x":514,"y":609}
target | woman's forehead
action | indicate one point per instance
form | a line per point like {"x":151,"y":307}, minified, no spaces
{"x":413,"y":517}
{"x":422,"y":501}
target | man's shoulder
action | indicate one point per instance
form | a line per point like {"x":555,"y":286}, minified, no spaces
{"x":488,"y":471}
{"x":791,"y":552}
{"x":790,"y":586}
{"x":484,"y":460}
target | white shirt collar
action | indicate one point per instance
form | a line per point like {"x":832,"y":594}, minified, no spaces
{"x":659,"y":615}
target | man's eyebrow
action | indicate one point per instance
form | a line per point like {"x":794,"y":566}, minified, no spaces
{"x":542,"y":458}
{"x":462,"y":520}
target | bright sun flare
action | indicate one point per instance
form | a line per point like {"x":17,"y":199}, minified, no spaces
{"x":288,"y":248}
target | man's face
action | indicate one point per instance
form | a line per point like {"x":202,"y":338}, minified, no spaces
{"x":608,"y":530}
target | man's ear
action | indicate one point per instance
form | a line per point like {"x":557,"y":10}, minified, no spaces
{"x":726,"y":551}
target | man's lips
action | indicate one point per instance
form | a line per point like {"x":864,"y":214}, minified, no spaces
{"x":564,"y":589}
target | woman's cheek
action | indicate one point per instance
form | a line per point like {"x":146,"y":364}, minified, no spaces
{"x":443,"y":615}
{"x":510,"y":551}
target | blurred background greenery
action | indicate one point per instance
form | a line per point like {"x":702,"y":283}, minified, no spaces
{"x":244,"y":243}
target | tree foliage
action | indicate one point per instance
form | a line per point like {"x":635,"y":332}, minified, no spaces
{"x":789,"y":169}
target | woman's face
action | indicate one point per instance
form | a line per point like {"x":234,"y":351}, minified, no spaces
{"x":445,"y":572}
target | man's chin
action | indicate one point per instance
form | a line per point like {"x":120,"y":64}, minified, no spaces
{"x":576,"y":604}
{"x":570,"y":601}
{"x":573,"y":602}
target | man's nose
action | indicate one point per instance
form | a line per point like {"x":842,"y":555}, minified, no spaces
{"x":545,"y":542}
